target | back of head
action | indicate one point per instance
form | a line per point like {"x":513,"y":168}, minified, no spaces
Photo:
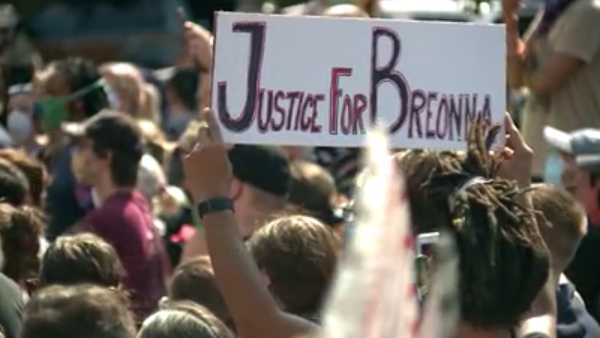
{"x":265,"y":168}
{"x":20,"y":230}
{"x":561,"y":220}
{"x":313,"y":189}
{"x":503,"y":262}
{"x":84,"y":258}
{"x":33,"y":170}
{"x":417,"y":166}
{"x":77,"y":311}
{"x":264,"y":174}
{"x":183,"y":320}
{"x":195,"y":281}
{"x":14,"y":186}
{"x":299,"y":255}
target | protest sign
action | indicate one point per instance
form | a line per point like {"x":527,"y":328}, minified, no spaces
{"x":324,"y":81}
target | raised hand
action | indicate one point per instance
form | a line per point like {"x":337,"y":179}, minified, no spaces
{"x":198,"y":43}
{"x":510,"y":7}
{"x":517,"y":157}
{"x":208,"y":172}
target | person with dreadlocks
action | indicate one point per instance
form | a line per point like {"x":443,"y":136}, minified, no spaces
{"x":503,"y":262}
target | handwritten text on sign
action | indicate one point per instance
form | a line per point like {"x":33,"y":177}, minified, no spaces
{"x":323,"y":81}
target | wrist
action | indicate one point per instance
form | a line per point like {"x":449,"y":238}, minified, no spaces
{"x":214,"y":205}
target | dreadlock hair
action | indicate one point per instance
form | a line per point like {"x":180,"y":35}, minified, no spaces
{"x":417,"y":165}
{"x":503,"y":262}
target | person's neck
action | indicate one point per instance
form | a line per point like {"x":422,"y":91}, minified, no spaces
{"x":467,"y":331}
{"x":106,"y":188}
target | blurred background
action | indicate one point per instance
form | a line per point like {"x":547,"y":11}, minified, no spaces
{"x":147,"y":32}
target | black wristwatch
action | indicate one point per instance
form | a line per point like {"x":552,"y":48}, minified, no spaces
{"x":215,"y":204}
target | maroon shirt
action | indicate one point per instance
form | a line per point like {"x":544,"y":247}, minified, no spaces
{"x":125,"y":221}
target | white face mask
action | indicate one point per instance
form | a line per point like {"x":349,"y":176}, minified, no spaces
{"x":20,"y":126}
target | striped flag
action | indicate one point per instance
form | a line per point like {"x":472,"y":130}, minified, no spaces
{"x":374,"y":294}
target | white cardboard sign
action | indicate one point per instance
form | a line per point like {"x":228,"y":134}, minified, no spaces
{"x":324,"y":81}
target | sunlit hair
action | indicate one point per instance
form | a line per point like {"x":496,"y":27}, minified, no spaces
{"x":299,"y":255}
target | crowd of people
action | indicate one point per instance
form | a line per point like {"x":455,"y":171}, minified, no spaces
{"x":123,"y":214}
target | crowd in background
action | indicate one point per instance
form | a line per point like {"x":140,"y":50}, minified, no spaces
{"x":103,"y":166}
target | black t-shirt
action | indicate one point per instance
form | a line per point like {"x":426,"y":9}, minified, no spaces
{"x":11,"y":307}
{"x":584,"y":270}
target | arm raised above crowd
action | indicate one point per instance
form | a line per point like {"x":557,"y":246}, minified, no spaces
{"x":561,"y":65}
{"x":255,"y":312}
{"x":516,"y":165}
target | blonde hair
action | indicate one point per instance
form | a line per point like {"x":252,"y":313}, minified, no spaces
{"x":141,"y":99}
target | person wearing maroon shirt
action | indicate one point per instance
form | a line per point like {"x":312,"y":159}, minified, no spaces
{"x":107,"y":157}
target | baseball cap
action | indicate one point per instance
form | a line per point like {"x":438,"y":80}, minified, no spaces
{"x":112,"y":130}
{"x":583,"y":144}
{"x":263,"y":167}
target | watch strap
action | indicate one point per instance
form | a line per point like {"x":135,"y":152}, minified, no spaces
{"x":215,"y":204}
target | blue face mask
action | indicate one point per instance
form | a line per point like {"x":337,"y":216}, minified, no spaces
{"x":554,"y":168}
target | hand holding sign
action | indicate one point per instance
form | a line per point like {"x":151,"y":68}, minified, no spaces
{"x":208,"y":172}
{"x":198,"y":42}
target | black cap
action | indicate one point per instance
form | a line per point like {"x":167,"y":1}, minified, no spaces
{"x":263,"y":167}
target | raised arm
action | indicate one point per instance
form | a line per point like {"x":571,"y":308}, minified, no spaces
{"x":255,"y":312}
{"x":517,"y":164}
{"x":556,"y":70}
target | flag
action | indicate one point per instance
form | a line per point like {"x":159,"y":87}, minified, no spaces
{"x":374,"y":294}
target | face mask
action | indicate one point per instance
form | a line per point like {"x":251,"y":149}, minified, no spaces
{"x":53,"y":111}
{"x":20,"y":126}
